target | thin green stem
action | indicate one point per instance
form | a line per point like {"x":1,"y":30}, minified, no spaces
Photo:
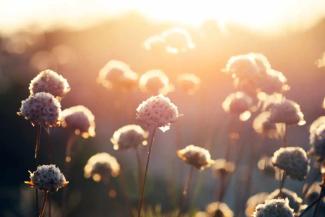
{"x":152,"y":135}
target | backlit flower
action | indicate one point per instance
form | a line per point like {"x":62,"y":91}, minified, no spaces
{"x":222,"y":167}
{"x":189,"y":83}
{"x":50,"y":82}
{"x":196,"y":156}
{"x":294,"y":200}
{"x":155,"y":82}
{"x":80,"y":119}
{"x":254,"y":201}
{"x":218,"y":209}
{"x":129,"y":136}
{"x":317,"y":137}
{"x":238,"y":103}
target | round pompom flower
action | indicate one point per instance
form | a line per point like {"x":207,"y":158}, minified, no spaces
{"x":117,"y":74}
{"x":243,"y":67}
{"x":222,"y":167}
{"x":273,"y":81}
{"x":101,"y":166}
{"x":238,"y":103}
{"x":50,"y":82}
{"x":196,"y":156}
{"x":80,"y":119}
{"x":263,"y":126}
{"x":41,"y":109}
{"x":157,"y":112}
{"x":177,"y":40}
{"x":317,"y":137}
{"x":189,"y":83}
{"x":274,"y":208}
{"x":287,"y":112}
{"x":254,"y":201}
{"x":218,"y":209}
{"x":129,"y":136}
{"x":48,"y":178}
{"x":155,"y":82}
{"x":294,"y":200}
{"x":293,"y":160}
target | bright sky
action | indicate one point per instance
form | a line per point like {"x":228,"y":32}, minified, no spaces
{"x":262,"y":15}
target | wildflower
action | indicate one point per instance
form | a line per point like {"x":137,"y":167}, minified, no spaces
{"x":238,"y":103}
{"x":157,"y":112}
{"x":221,"y":167}
{"x":101,"y":166}
{"x":287,"y":112}
{"x":274,"y":208}
{"x":177,"y":40}
{"x":265,"y":165}
{"x":129,"y":136}
{"x":196,"y":156}
{"x":155,"y":82}
{"x":189,"y":83}
{"x":243,"y":67}
{"x":80,"y":119}
{"x":263,"y":126}
{"x":117,"y":74}
{"x":293,"y":160}
{"x":254,"y":201}
{"x":41,"y":109}
{"x":317,"y":137}
{"x":50,"y":82}
{"x":48,"y":178}
{"x":218,"y":209}
{"x":294,"y":200}
{"x":273,"y":82}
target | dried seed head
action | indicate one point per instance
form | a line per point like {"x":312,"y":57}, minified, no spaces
{"x":294,"y":200}
{"x":41,"y":109}
{"x":80,"y":119}
{"x":274,"y":208}
{"x":196,"y":156}
{"x":238,"y":103}
{"x":254,"y":201}
{"x":50,"y":82}
{"x":317,"y":137}
{"x":129,"y":136}
{"x":101,"y":166}
{"x":263,"y":126}
{"x":47,"y":178}
{"x":155,"y":82}
{"x":293,"y":160}
{"x":157,"y":112}
{"x":218,"y":209}
{"x":189,"y":83}
{"x":222,"y":167}
{"x":117,"y":74}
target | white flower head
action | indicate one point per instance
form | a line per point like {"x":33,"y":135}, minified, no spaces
{"x":196,"y":156}
{"x":155,"y":82}
{"x":219,"y":209}
{"x":254,"y":201}
{"x":117,"y":74}
{"x":101,"y":166}
{"x":47,"y":178}
{"x":238,"y":103}
{"x":274,"y":208}
{"x":293,"y":160}
{"x":50,"y":82}
{"x":129,"y":136}
{"x":294,"y":200}
{"x":41,"y":109}
{"x":189,"y":83}
{"x":80,"y":119}
{"x":157,"y":112}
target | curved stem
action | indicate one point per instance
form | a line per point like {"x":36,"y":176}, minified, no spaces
{"x":186,"y":188}
{"x":146,"y":171}
{"x":44,"y":204}
{"x":38,"y":140}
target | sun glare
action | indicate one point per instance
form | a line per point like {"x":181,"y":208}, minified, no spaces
{"x":261,"y":15}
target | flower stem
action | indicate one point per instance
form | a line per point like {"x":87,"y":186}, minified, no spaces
{"x":36,"y":202}
{"x":152,"y":135}
{"x":50,"y":207}
{"x":38,"y":140}
{"x":71,"y":140}
{"x":44,"y":204}
{"x":186,"y":188}
{"x":282,"y":181}
{"x":140,"y":172}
